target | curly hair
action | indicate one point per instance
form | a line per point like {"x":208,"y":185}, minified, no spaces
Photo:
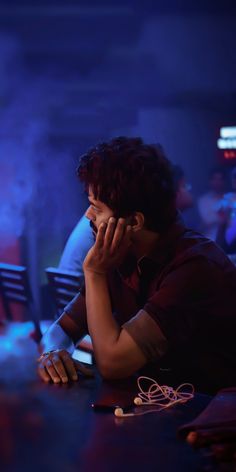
{"x":129,"y":176}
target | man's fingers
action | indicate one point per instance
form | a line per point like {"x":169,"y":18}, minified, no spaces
{"x":83,"y":369}
{"x":121,"y":235}
{"x":124,"y":244}
{"x":69,"y":365}
{"x":43,"y":374}
{"x":100,"y":235}
{"x":109,"y":232}
{"x":52,"y":371}
{"x":59,"y":367}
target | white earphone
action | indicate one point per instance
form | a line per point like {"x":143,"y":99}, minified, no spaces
{"x":160,"y":397}
{"x":138,"y":401}
{"x":120,"y":413}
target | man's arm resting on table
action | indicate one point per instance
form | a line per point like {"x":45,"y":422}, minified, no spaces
{"x":117,"y":354}
{"x":120,"y":358}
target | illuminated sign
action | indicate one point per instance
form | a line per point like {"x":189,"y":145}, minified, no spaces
{"x":227,"y":141}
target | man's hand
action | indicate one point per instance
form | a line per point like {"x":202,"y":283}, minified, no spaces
{"x":59,"y":366}
{"x":112,"y":243}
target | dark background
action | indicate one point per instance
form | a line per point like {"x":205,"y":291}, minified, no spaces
{"x":77,"y":72}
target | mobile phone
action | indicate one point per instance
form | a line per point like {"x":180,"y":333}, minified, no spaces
{"x":109,"y":406}
{"x":114,"y":395}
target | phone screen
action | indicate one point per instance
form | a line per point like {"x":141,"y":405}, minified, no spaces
{"x":110,"y":404}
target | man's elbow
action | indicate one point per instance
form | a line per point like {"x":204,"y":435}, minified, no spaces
{"x":111,"y":369}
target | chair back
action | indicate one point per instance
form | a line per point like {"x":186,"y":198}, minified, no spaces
{"x":64,"y":285}
{"x":15,"y":288}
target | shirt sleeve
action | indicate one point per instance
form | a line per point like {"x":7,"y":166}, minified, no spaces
{"x":76,"y":310}
{"x":171,"y":315}
{"x":147,"y":335}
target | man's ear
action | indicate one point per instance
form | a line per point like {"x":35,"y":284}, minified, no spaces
{"x":136,"y":221}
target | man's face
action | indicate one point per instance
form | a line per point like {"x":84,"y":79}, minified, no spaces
{"x":97,"y":212}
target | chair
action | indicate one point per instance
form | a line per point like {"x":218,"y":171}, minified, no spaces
{"x":15,"y":288}
{"x":64,"y":285}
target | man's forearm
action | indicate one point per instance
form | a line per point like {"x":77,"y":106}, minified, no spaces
{"x":63,"y":334}
{"x":116,"y":353}
{"x":103,"y":328}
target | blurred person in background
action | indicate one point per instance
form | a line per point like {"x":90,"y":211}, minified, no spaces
{"x":184,"y":196}
{"x":208,"y":203}
{"x":226,"y":235}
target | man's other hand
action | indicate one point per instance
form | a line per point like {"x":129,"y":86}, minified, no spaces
{"x":58,"y":366}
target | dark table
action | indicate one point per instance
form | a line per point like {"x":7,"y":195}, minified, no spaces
{"x":53,"y":427}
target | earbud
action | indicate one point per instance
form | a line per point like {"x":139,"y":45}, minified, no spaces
{"x":138,"y":401}
{"x":157,"y":396}
{"x":120,"y":413}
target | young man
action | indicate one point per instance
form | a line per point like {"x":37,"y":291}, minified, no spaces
{"x":158,"y":297}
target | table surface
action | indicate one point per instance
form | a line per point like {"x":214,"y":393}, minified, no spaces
{"x":53,"y":427}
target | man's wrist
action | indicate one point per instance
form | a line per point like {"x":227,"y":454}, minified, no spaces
{"x":55,"y":339}
{"x":95,"y":273}
{"x":45,"y":354}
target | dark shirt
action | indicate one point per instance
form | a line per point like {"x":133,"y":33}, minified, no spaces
{"x":179,"y":305}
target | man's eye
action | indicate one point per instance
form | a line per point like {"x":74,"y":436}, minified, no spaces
{"x":95,"y":208}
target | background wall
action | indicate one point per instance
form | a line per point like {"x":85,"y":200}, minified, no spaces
{"x":77,"y":72}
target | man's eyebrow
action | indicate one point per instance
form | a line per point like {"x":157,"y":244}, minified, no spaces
{"x":92,"y":201}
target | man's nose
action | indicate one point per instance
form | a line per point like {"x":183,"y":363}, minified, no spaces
{"x":89,"y":214}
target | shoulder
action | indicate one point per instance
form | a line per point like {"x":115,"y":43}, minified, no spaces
{"x":194,"y":254}
{"x":199,"y":246}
